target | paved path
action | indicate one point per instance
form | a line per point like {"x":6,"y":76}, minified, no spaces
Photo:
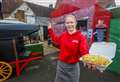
{"x":49,"y":49}
{"x":44,"y":71}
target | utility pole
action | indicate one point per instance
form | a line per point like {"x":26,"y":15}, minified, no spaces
{"x":1,"y":12}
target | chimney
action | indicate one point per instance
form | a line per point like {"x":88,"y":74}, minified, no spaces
{"x":1,"y":14}
{"x":50,"y":5}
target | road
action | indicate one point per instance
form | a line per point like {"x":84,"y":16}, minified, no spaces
{"x":44,"y":71}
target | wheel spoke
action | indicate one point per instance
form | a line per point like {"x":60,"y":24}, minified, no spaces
{"x":5,"y":67}
{"x":0,"y":71}
{"x":6,"y":73}
{"x":2,"y":75}
{"x":6,"y":70}
{"x":1,"y":66}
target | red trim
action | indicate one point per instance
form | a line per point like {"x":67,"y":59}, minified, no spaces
{"x":63,"y":9}
{"x":22,"y":63}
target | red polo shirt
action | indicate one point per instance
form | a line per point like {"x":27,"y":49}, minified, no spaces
{"x":72,"y":46}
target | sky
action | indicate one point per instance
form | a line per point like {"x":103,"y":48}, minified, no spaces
{"x":117,"y":2}
{"x":43,"y":2}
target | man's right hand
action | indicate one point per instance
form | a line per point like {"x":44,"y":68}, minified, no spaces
{"x":91,"y":66}
{"x":49,"y":25}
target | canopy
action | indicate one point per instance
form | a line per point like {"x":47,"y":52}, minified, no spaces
{"x":68,"y":6}
{"x":8,"y":31}
{"x":82,"y":4}
{"x":63,"y":9}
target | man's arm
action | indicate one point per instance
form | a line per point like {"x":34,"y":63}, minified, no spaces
{"x":55,"y":39}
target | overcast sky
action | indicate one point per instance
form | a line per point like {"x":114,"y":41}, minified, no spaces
{"x":43,"y":2}
{"x":117,"y":2}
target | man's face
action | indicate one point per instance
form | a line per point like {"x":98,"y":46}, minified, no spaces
{"x":100,"y":22}
{"x":70,"y":23}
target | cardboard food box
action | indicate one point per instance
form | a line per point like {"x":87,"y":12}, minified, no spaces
{"x":101,"y":54}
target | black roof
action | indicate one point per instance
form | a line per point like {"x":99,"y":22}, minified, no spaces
{"x":40,"y":10}
{"x":8,"y":31}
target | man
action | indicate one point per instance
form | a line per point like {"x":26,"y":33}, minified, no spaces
{"x":100,"y":31}
{"x":73,"y":45}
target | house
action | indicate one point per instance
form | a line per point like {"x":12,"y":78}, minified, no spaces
{"x":8,"y":6}
{"x":29,"y":13}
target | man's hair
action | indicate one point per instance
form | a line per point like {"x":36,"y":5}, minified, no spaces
{"x":71,"y":15}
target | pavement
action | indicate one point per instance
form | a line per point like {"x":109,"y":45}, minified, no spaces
{"x":43,"y":70}
{"x":48,"y":49}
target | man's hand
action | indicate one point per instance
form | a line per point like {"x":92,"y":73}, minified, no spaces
{"x":84,"y":56}
{"x":91,"y":66}
{"x":88,"y":64}
{"x":49,"y":25}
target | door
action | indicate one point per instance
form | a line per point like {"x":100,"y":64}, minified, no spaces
{"x":45,"y":32}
